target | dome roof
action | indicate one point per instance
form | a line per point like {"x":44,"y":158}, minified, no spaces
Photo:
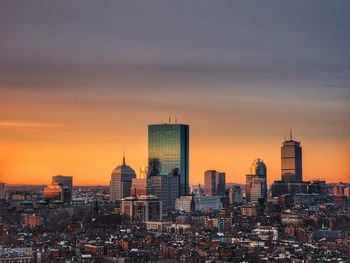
{"x":124,"y":169}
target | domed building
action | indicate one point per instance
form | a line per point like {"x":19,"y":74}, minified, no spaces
{"x":121,"y":180}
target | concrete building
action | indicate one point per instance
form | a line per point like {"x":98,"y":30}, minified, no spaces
{"x":256,"y":190}
{"x":144,"y":208}
{"x":249,"y":210}
{"x":214,"y":183}
{"x":235,"y":195}
{"x":185,"y":204}
{"x":121,"y":181}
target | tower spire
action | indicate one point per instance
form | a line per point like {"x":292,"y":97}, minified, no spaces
{"x":291,"y":134}
{"x":124,"y":157}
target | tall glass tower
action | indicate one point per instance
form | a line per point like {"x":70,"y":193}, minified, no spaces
{"x":291,"y":160}
{"x":168,"y":149}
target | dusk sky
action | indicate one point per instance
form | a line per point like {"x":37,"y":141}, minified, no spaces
{"x":81,"y":80}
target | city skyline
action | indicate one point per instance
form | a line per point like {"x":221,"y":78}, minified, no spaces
{"x":240,"y":180}
{"x":80,"y":82}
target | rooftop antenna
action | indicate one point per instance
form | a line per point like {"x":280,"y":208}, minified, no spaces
{"x":291,"y":134}
{"x":169,"y":120}
{"x":124,"y":157}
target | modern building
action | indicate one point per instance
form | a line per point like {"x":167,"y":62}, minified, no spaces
{"x":121,"y":181}
{"x":166,"y":188}
{"x":2,"y":190}
{"x":258,"y":168}
{"x":214,"y":183}
{"x":144,"y":208}
{"x":291,"y":160}
{"x":168,"y":149}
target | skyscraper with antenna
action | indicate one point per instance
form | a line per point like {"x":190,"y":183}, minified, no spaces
{"x":291,"y":160}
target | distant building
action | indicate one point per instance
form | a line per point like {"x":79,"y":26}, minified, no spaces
{"x":185,"y":204}
{"x":197,"y":190}
{"x":235,"y":195}
{"x":258,"y":168}
{"x":207,"y":202}
{"x":166,"y":188}
{"x":61,"y":189}
{"x":168,"y":149}
{"x":281,"y":188}
{"x":249,"y":210}
{"x":121,"y":181}
{"x":157,"y":225}
{"x":53,"y":193}
{"x":214,"y":183}
{"x":139,"y":187}
{"x":66,"y":184}
{"x":143,"y":208}
{"x":2,"y":191}
{"x":291,"y":160}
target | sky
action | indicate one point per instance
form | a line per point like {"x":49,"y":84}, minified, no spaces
{"x":81,"y":80}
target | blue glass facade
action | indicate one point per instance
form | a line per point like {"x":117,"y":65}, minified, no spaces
{"x":168,"y":144}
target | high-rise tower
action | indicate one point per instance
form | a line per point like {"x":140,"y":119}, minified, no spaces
{"x":214,"y":183}
{"x":258,"y":168}
{"x":291,"y":160}
{"x":168,"y":149}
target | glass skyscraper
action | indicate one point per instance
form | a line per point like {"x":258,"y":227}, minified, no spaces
{"x":168,"y":150}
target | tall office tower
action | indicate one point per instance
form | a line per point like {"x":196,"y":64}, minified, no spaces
{"x":2,"y":191}
{"x":168,"y":148}
{"x":291,"y":160}
{"x":214,"y":183}
{"x":258,"y":168}
{"x":121,"y":180}
{"x":256,"y":190}
{"x":66,"y":184}
{"x":166,"y":188}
